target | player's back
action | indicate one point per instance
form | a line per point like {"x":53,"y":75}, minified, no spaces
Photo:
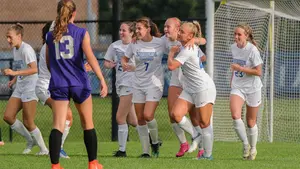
{"x":66,"y":59}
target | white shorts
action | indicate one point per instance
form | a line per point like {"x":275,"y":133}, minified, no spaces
{"x":124,"y":90}
{"x":42,"y":93}
{"x":144,"y":95}
{"x":252,"y":99}
{"x":25,"y":96}
{"x":200,"y":99}
{"x":174,"y":81}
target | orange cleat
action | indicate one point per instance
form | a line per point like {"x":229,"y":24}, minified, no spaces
{"x":95,"y":165}
{"x":56,"y":166}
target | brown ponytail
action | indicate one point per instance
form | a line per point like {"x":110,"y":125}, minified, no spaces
{"x":63,"y":16}
{"x":147,"y":22}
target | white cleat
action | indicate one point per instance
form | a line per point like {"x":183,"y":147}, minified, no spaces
{"x":42,"y":153}
{"x":195,"y":143}
{"x":29,"y":147}
{"x":246,"y":151}
{"x":253,"y":153}
{"x":26,"y":151}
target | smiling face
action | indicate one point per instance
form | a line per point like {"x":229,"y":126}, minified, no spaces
{"x":13,"y":38}
{"x":141,"y":30}
{"x":171,"y":30}
{"x":124,"y":32}
{"x":240,"y":37}
{"x":185,"y":34}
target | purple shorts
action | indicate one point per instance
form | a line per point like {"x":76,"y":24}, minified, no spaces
{"x":78,"y":94}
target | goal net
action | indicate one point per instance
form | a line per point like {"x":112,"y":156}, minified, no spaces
{"x":286,"y":93}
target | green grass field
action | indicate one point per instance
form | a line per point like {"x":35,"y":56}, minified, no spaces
{"x":227,"y":155}
{"x":283,"y":153}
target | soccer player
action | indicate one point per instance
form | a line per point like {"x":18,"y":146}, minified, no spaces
{"x":148,"y":80}
{"x":125,"y":111}
{"x":23,"y":97}
{"x":171,"y":30}
{"x":198,"y":88}
{"x":42,"y":85}
{"x":245,"y":87}
{"x":64,"y":57}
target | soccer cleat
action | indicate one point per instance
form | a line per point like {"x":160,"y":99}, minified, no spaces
{"x":95,"y":165}
{"x":56,"y":166}
{"x":195,"y":143}
{"x":246,"y":151}
{"x":200,"y":153}
{"x":145,"y":155}
{"x":253,"y":153}
{"x":63,"y":154}
{"x":202,"y":157}
{"x":184,"y":147}
{"x":29,"y":147}
{"x":155,"y":149}
{"x":160,"y":142}
{"x":42,"y":153}
{"x":120,"y":154}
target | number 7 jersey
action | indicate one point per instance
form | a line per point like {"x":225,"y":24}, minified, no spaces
{"x":66,"y":59}
{"x":148,"y":58}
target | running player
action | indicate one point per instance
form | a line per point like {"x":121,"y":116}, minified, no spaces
{"x":245,"y":87}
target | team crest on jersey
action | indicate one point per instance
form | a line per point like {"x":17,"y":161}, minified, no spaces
{"x":240,"y":62}
{"x":146,"y":54}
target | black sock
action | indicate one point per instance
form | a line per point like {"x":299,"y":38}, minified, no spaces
{"x":54,"y":145}
{"x":90,"y":141}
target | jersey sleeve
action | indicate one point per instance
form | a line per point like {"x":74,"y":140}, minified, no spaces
{"x":110,"y":53}
{"x":129,"y":51}
{"x":255,"y":57}
{"x":29,"y":55}
{"x":183,"y":55}
{"x":200,"y":53}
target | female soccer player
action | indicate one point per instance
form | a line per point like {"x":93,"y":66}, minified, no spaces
{"x":23,"y":97}
{"x":64,"y":56}
{"x":171,"y":30}
{"x":148,"y":80}
{"x":42,"y":85}
{"x":125,"y":112}
{"x":245,"y":87}
{"x":198,"y":88}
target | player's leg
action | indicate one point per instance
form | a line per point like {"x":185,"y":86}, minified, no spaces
{"x":83,"y":103}
{"x":13,"y":106}
{"x":253,"y":101}
{"x":68,"y":125}
{"x":237,"y":100}
{"x":195,"y":118}
{"x":173,"y":94}
{"x":122,"y":114}
{"x":60,"y":106}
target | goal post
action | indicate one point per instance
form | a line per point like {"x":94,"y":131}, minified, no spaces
{"x":276,"y":28}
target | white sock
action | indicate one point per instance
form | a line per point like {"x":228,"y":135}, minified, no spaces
{"x":207,"y":140}
{"x":153,"y":130}
{"x":187,"y":126}
{"x":122,"y":136}
{"x":199,"y":130}
{"x":37,"y":136}
{"x":240,"y":130}
{"x":253,"y":134}
{"x":65,"y":133}
{"x":19,"y":127}
{"x":144,"y":138}
{"x":179,"y":133}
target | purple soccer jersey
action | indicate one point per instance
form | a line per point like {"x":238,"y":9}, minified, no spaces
{"x":66,"y":60}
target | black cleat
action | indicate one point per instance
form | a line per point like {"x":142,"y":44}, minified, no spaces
{"x":120,"y":154}
{"x":155,"y":149}
{"x":145,"y":155}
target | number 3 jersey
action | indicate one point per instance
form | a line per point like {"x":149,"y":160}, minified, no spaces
{"x":249,"y":57}
{"x":66,"y":59}
{"x":148,"y":58}
{"x":114,"y":53}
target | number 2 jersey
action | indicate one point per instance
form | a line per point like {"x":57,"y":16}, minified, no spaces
{"x":148,"y":57}
{"x":66,"y":59}
{"x":249,"y":57}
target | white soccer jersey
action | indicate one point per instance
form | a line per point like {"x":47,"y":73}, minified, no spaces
{"x":248,"y":56}
{"x":22,"y":57}
{"x":148,"y":58}
{"x":114,"y":53}
{"x":44,"y":74}
{"x":195,"y":77}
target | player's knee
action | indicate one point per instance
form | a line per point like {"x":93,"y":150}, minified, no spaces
{"x":141,"y":122}
{"x":235,"y":116}
{"x":251,"y":123}
{"x":8,"y":119}
{"x":149,"y":117}
{"x":204,"y":124}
